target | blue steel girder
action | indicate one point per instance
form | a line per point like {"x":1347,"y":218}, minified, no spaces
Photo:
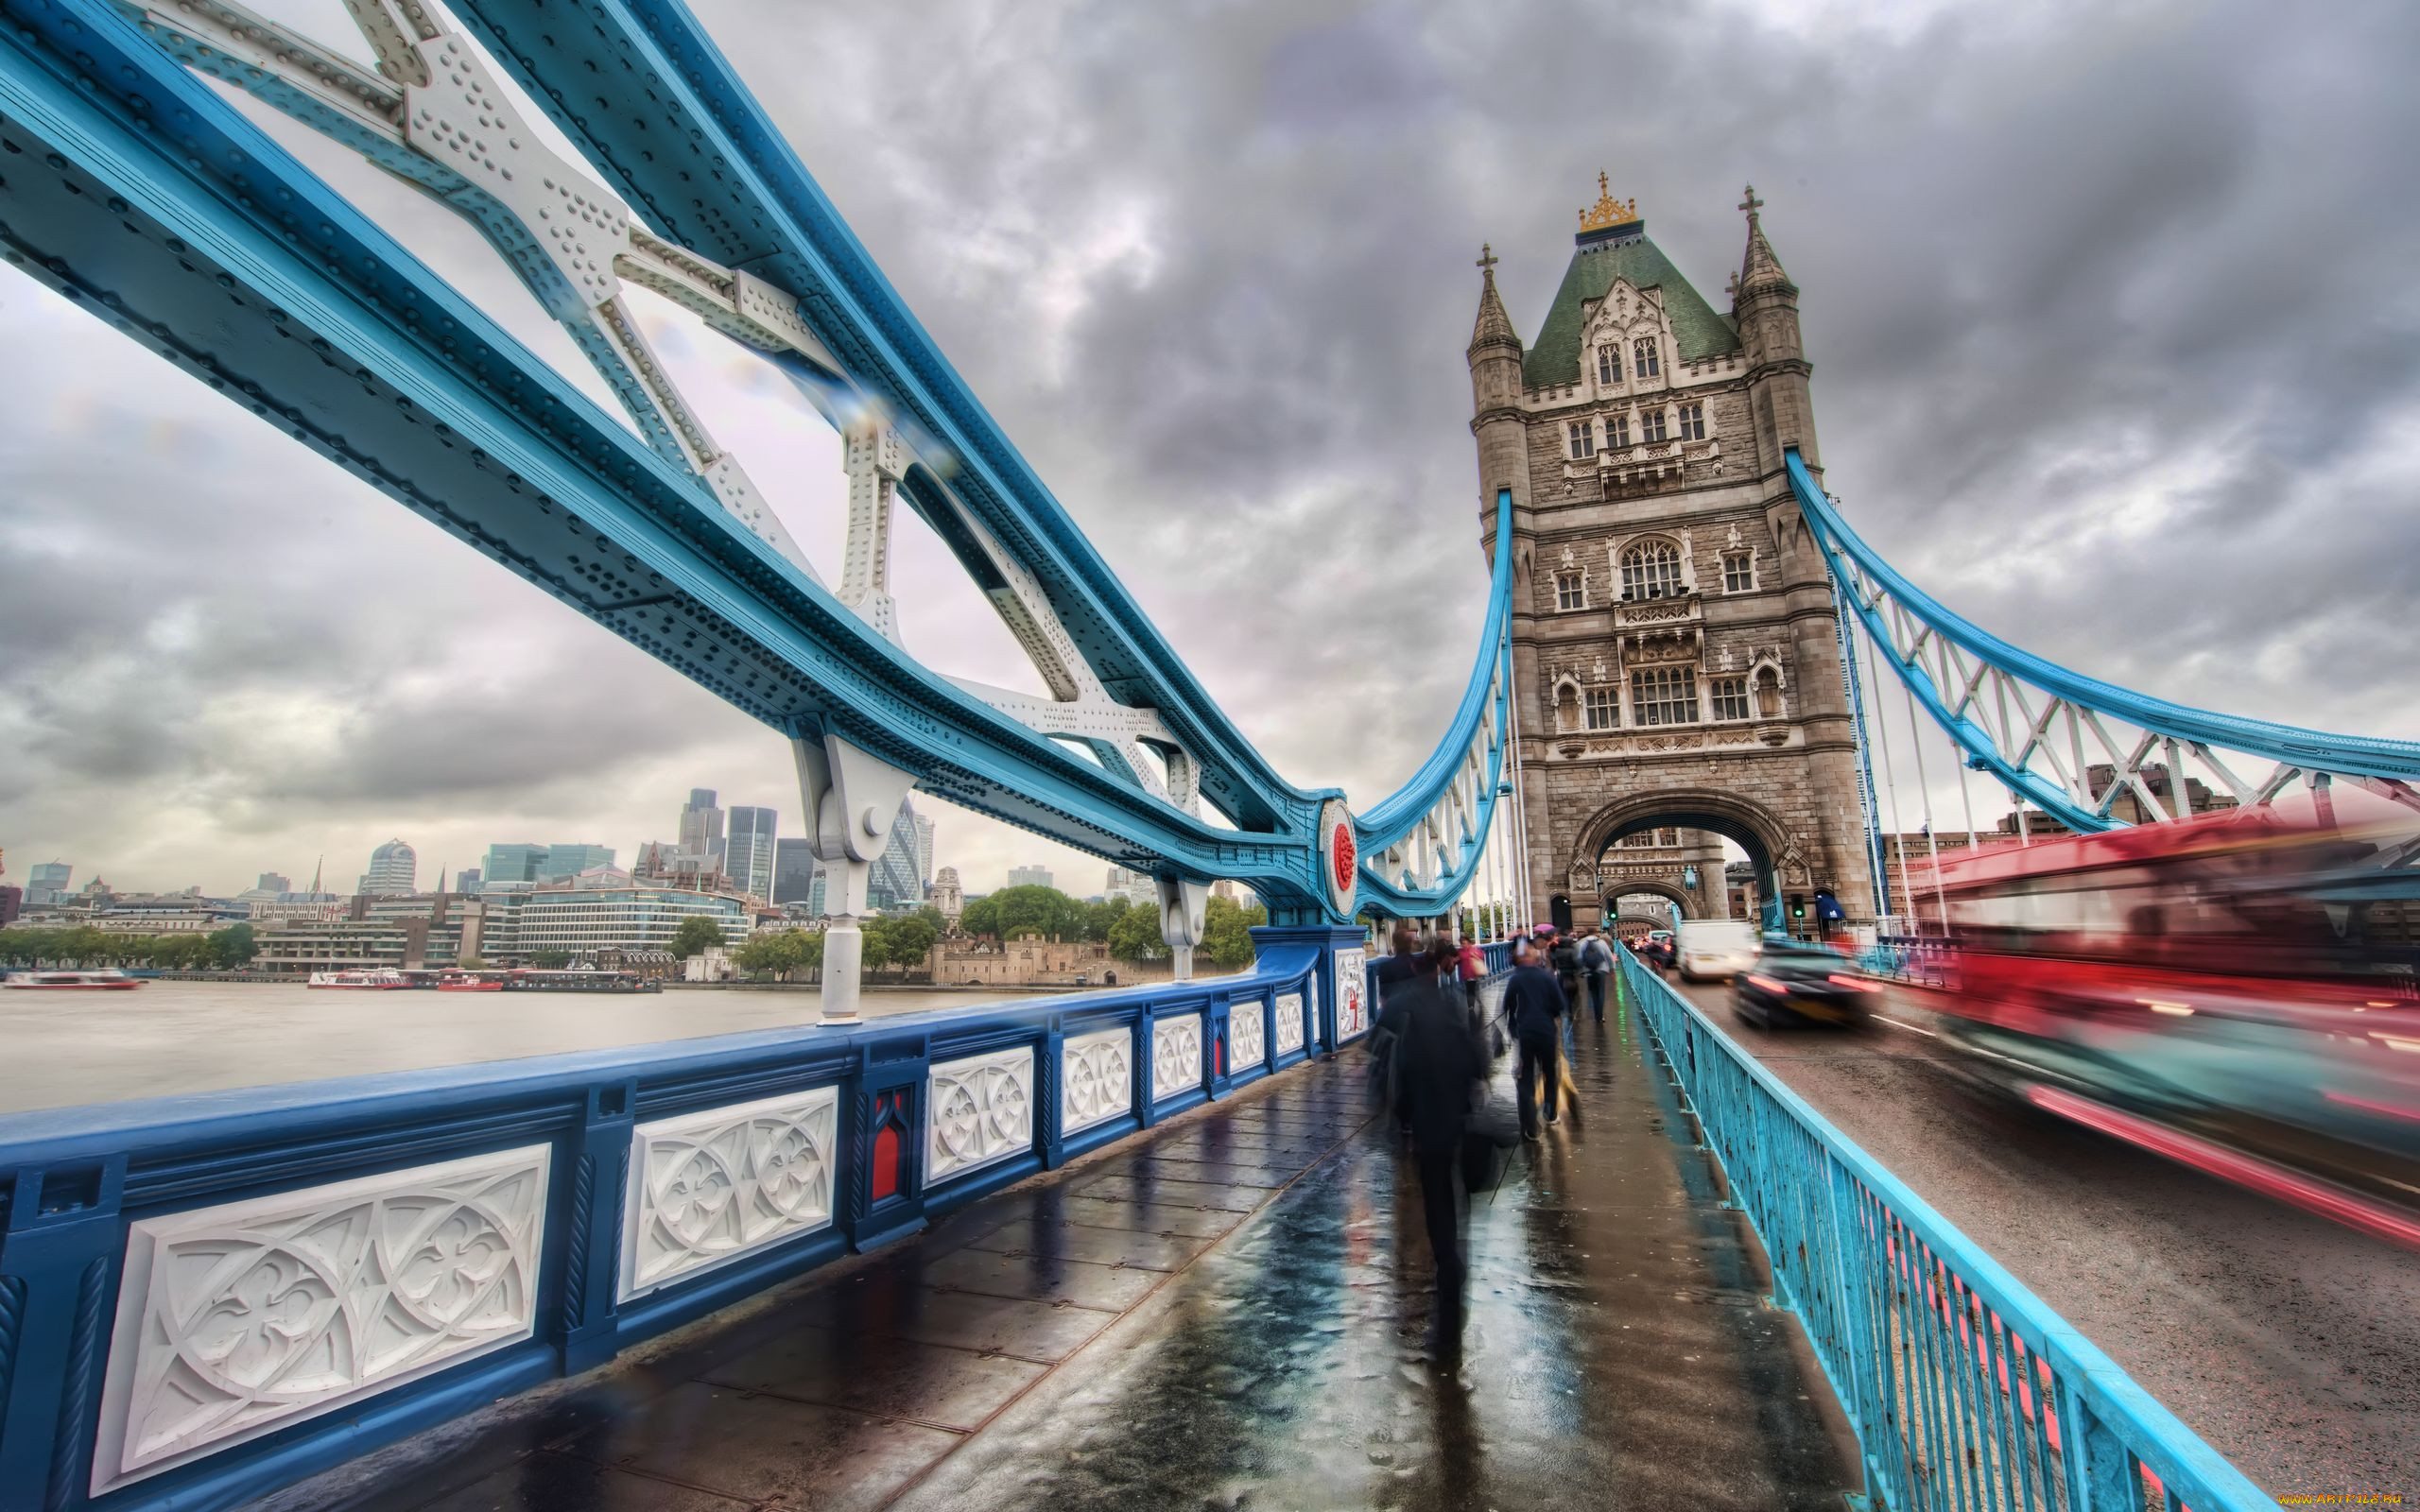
{"x":2037,"y":727}
{"x":1449,"y":804}
{"x":653,"y":104}
{"x":130,"y":187}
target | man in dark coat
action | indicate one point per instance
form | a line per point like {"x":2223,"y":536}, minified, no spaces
{"x":1395,"y":976}
{"x":1534,"y":1002}
{"x":1441,"y":1067}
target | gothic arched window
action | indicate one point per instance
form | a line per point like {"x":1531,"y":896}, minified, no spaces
{"x":1651,"y":569}
{"x":1609,"y":368}
{"x":1645,"y":357}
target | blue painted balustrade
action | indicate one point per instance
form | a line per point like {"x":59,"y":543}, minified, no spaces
{"x":205,"y":1298}
{"x":1964,"y":1389}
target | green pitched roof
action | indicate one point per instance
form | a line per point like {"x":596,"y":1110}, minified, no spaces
{"x":1554,"y":357}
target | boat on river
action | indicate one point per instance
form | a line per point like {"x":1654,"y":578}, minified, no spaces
{"x":368,"y":979}
{"x":103,"y":979}
{"x":456,"y":979}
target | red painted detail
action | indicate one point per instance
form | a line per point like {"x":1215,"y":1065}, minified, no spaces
{"x":1341,"y":856}
{"x":886,"y":1163}
{"x":2326,"y":1198}
{"x":1219,"y":1059}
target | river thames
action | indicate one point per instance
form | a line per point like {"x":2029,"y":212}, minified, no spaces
{"x":61,"y":1049}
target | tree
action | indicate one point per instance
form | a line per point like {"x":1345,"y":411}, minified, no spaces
{"x":1102,"y":916}
{"x":907,"y":940}
{"x":1226,"y":933}
{"x":234,"y":946}
{"x":1135,"y":938}
{"x":980,"y":917}
{"x":1013,"y":912}
{"x":777,"y":952}
{"x":550,"y":960}
{"x":697,"y":933}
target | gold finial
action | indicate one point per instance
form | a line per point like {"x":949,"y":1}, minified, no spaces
{"x":1607,"y":211}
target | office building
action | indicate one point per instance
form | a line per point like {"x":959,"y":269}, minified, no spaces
{"x":394,"y":871}
{"x":794,"y":869}
{"x":1136,"y":887}
{"x":47,"y":882}
{"x":581,"y":921}
{"x":505,"y":865}
{"x":924,"y":852}
{"x":273,"y":881}
{"x":467,"y":880}
{"x":1029,"y":876}
{"x":748,"y":855}
{"x":421,"y":932}
{"x":702,"y":825}
{"x":564,"y":862}
{"x":893,"y":882}
{"x":12,"y":902}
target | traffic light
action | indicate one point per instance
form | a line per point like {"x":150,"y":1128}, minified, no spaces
{"x":1798,"y":905}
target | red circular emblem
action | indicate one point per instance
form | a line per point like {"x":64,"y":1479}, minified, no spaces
{"x":1341,"y":852}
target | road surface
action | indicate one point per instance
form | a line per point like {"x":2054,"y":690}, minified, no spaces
{"x":2292,"y":1344}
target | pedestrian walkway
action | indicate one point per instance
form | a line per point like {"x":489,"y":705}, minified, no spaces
{"x":1231,"y":1311}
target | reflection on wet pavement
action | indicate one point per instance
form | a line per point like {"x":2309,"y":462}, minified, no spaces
{"x":1234,"y":1310}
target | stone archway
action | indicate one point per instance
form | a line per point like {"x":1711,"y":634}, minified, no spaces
{"x":1682,"y":904}
{"x":1755,"y":828}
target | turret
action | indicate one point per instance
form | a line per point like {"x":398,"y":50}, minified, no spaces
{"x":1764,"y":305}
{"x":1494,"y":354}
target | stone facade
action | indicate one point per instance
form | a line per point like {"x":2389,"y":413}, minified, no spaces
{"x":1676,"y":649}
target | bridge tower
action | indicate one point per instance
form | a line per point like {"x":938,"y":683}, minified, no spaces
{"x":1673,"y":628}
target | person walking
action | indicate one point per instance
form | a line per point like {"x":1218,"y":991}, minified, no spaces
{"x":1470,"y":964}
{"x":1596,"y":959}
{"x":1565,"y":956}
{"x":1534,"y":1002}
{"x":1397,"y":976}
{"x":1439,"y":1070}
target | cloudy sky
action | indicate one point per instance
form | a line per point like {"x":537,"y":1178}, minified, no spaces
{"x":2110,"y":306}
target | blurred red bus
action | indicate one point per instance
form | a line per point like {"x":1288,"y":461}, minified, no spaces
{"x":2236,"y":992}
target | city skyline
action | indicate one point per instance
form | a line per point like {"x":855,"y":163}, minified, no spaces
{"x":2013,"y":325}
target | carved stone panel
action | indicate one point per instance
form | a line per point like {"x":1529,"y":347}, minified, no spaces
{"x":709,"y":1186}
{"x":236,"y":1321}
{"x":1176,"y":1056}
{"x":979,"y":1110}
{"x":1289,"y":1022}
{"x":1352,"y":1003}
{"x":1096,"y":1079}
{"x":1247,"y":1037}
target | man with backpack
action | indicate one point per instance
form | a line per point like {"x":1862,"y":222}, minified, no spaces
{"x":1596,"y":959}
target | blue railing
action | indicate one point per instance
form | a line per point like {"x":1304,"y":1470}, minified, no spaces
{"x":1964,"y":1389}
{"x":205,"y":1298}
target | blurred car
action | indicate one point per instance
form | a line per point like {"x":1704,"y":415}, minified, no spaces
{"x":1656,"y":949}
{"x":1796,"y":982}
{"x":1713,"y":949}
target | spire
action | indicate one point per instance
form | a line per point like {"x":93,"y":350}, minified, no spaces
{"x":1760,"y":270}
{"x":1494,"y":327}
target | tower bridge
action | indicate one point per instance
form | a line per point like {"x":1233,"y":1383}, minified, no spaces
{"x":1167,"y":1206}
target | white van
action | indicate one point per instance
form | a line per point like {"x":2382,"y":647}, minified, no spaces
{"x":1706,"y":948}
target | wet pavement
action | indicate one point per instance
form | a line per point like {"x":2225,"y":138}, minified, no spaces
{"x":1232,"y":1309}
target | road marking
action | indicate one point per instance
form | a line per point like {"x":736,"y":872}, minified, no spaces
{"x":1930,"y":1034}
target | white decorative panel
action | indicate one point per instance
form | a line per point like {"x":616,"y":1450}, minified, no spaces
{"x":1352,"y":989}
{"x":1176,"y":1056}
{"x":238,"y":1319}
{"x":709,"y":1186}
{"x":977,"y":1110}
{"x":1247,"y":1037}
{"x":1289,"y":1022}
{"x":1096,"y":1078}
